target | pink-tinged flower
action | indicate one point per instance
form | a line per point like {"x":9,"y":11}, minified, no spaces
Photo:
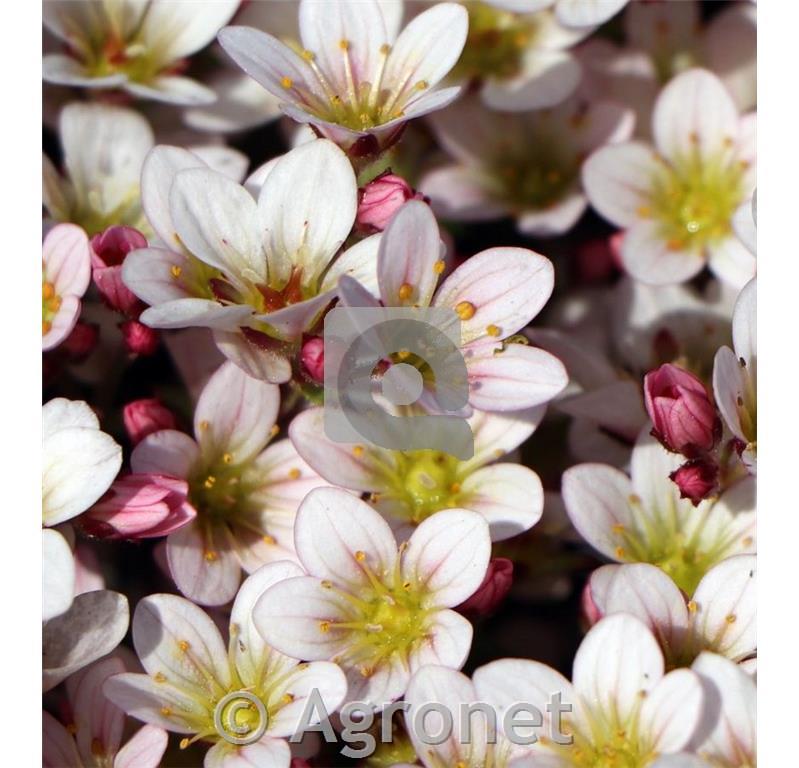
{"x":642,"y":519}
{"x":522,"y":165}
{"x":353,"y":78}
{"x":732,"y":742}
{"x":684,"y":416}
{"x":735,"y":376}
{"x":378,"y":610}
{"x":596,"y":260}
{"x":97,"y":726}
{"x":494,"y":589}
{"x":380,"y":199}
{"x":93,"y":626}
{"x":676,"y":199}
{"x":245,"y":493}
{"x":446,"y":689}
{"x":192,"y":675}
{"x":66,"y":271}
{"x":140,"y":507}
{"x":143,"y":417}
{"x":108,"y":253}
{"x":697,"y":479}
{"x":140,"y":49}
{"x":518,"y":54}
{"x":408,"y":487}
{"x":625,"y":708}
{"x":58,"y":574}
{"x":495,"y":294}
{"x":259,"y":274}
{"x":663,"y":39}
{"x":139,"y":339}
{"x":720,"y":616}
{"x":312,"y":357}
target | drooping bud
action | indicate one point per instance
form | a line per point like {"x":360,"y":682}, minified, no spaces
{"x":697,"y":479}
{"x":490,"y":594}
{"x":140,"y":507}
{"x":684,"y":417}
{"x":312,"y":357}
{"x":589,"y":610}
{"x":139,"y":338}
{"x":108,"y":253}
{"x":597,"y":259}
{"x":380,"y":199}
{"x":82,"y":340}
{"x":143,"y":417}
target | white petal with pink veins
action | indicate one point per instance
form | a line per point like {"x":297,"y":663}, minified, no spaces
{"x":144,"y":749}
{"x":672,"y":711}
{"x":166,"y":452}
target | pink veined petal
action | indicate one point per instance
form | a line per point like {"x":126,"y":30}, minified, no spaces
{"x":694,"y":112}
{"x":731,"y":261}
{"x":509,"y":497}
{"x":172,"y":90}
{"x":447,"y":642}
{"x":618,"y":179}
{"x":506,"y":288}
{"x":597,"y":499}
{"x":587,"y":13}
{"x":58,"y":746}
{"x":460,"y":194}
{"x":409,"y":250}
{"x":203,"y":313}
{"x":204,"y":564}
{"x":647,"y":256}
{"x":496,"y":434}
{"x":144,"y":749}
{"x":618,"y":659}
{"x":447,"y":556}
{"x":337,"y":535}
{"x":235,"y":414}
{"x":267,"y":364}
{"x":357,"y":263}
{"x":148,"y":273}
{"x":515,"y":378}
{"x":97,"y":721}
{"x":58,"y":574}
{"x":166,"y":452}
{"x":67,"y":260}
{"x":387,"y":682}
{"x":264,"y":753}
{"x":291,"y":322}
{"x":62,"y":324}
{"x":336,"y":462}
{"x":725,"y":620}
{"x":290,"y":614}
{"x":673,"y":710}
{"x":250,"y":651}
{"x":225,"y":160}
{"x":428,"y":47}
{"x":324,"y":24}
{"x":178,"y":639}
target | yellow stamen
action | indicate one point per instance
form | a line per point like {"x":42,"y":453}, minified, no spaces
{"x":227,"y":458}
{"x":439,"y":266}
{"x":287,"y":82}
{"x":267,"y":539}
{"x":294,"y":473}
{"x":210,"y":555}
{"x":357,"y":451}
{"x":465,"y":310}
{"x":175,"y":270}
{"x":405,"y":291}
{"x":493,"y":330}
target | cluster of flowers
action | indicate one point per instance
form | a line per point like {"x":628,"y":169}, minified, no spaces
{"x":180,"y":287}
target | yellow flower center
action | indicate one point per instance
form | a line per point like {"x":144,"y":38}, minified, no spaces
{"x":51,"y":303}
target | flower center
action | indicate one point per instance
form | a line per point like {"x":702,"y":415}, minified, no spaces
{"x":51,"y":303}
{"x":694,"y":199}
{"x":619,"y":749}
{"x":495,"y":44}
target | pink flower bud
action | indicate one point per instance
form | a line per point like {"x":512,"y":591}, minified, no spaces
{"x":82,"y":340}
{"x":684,"y":417}
{"x":140,"y":507}
{"x":108,"y":252}
{"x":312,"y":357}
{"x":697,"y":479}
{"x":589,"y":611}
{"x":143,"y":417}
{"x":495,"y":587}
{"x":139,"y":338}
{"x":596,"y":260}
{"x":380,"y":199}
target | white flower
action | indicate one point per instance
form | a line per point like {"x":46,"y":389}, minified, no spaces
{"x":258,"y":274}
{"x":96,"y":728}
{"x":66,"y":272}
{"x":677,"y":199}
{"x":642,"y":519}
{"x":191,"y":676}
{"x":407,"y":487}
{"x":104,"y":149}
{"x":573,"y":13}
{"x":732,"y":743}
{"x":245,"y":493}
{"x":521,"y":165}
{"x":735,"y":376}
{"x":625,"y":710}
{"x":135,"y":45}
{"x":379,"y":610}
{"x":720,"y":616}
{"x":353,"y":75}
{"x":517,"y":51}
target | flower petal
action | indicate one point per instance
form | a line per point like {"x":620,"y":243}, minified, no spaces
{"x":166,"y":452}
{"x":144,"y":749}
{"x":148,"y":272}
{"x":648,"y":257}
{"x":672,"y":711}
{"x":66,"y":260}
{"x":58,"y":574}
